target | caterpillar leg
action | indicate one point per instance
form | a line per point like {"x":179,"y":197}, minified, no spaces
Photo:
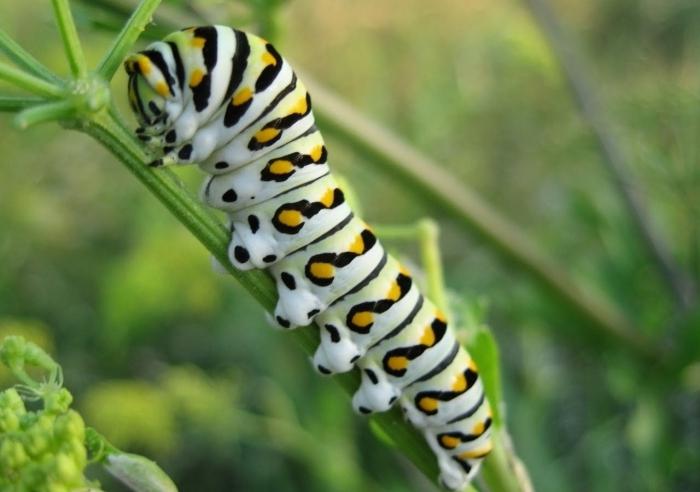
{"x":376,"y":393}
{"x":248,"y":250}
{"x":336,"y":353}
{"x":296,"y":306}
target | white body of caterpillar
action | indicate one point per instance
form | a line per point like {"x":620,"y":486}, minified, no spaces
{"x":226,"y":100}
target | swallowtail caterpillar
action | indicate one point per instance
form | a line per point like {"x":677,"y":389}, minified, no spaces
{"x":227,"y":101}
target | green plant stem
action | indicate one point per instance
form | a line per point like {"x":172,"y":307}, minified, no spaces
{"x":55,"y":110}
{"x":498,"y":469}
{"x":430,"y":253}
{"x":23,"y":59}
{"x":420,"y":173}
{"x":69,"y":36}
{"x":29,"y":82}
{"x":11,"y":104}
{"x":127,"y":37}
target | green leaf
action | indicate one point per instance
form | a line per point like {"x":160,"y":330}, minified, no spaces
{"x":484,"y":349}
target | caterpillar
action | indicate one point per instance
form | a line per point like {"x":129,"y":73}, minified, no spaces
{"x":229,"y":102}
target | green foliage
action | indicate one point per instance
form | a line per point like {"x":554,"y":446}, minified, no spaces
{"x":133,"y":415}
{"x":50,"y":448}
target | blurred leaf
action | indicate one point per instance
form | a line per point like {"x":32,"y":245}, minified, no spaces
{"x":132,"y":415}
{"x":483,"y":347}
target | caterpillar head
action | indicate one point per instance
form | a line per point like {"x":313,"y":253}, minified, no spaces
{"x":159,"y":94}
{"x":148,"y":90}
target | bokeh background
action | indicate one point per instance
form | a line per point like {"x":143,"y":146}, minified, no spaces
{"x":171,"y":360}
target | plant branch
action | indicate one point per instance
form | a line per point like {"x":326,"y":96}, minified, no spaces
{"x":23,"y":59}
{"x":69,"y":36}
{"x":503,"y":471}
{"x":572,"y":67}
{"x":127,"y":37}
{"x":23,"y":80}
{"x":421,"y":173}
{"x":430,"y":254}
{"x":54,"y":110}
{"x":11,"y":104}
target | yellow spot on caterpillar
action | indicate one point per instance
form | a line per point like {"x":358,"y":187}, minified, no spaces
{"x":196,"y":77}
{"x":394,"y":292}
{"x":162,"y":89}
{"x":449,"y":442}
{"x":327,"y":198}
{"x":241,"y":97}
{"x":198,"y":42}
{"x":428,"y":338}
{"x":476,"y":453}
{"x":281,"y":166}
{"x":460,"y":384}
{"x":290,"y":218}
{"x":322,"y":270}
{"x":363,"y":318}
{"x":268,"y":59}
{"x":145,"y":65}
{"x":472,"y":366}
{"x":357,"y":246}
{"x":266,"y":134}
{"x":478,"y":428}
{"x":397,"y":362}
{"x":300,"y":107}
{"x":441,"y":316}
{"x":428,"y":404}
{"x":316,"y":153}
{"x":404,"y":270}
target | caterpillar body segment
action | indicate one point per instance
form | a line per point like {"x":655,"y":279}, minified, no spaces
{"x":281,"y":170}
{"x":325,"y":271}
{"x":227,"y":101}
{"x":357,"y":321}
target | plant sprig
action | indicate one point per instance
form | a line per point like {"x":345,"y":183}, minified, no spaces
{"x":50,"y":448}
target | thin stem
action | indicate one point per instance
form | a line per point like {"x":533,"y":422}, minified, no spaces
{"x":614,"y":157}
{"x":430,"y":253}
{"x":11,"y":104}
{"x":23,"y":59}
{"x":500,"y":468}
{"x":29,"y":82}
{"x":127,"y":37}
{"x":41,"y":113}
{"x":69,"y":35}
{"x":419,"y":173}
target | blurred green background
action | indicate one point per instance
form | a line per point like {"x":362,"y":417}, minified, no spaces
{"x":176,"y":362}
